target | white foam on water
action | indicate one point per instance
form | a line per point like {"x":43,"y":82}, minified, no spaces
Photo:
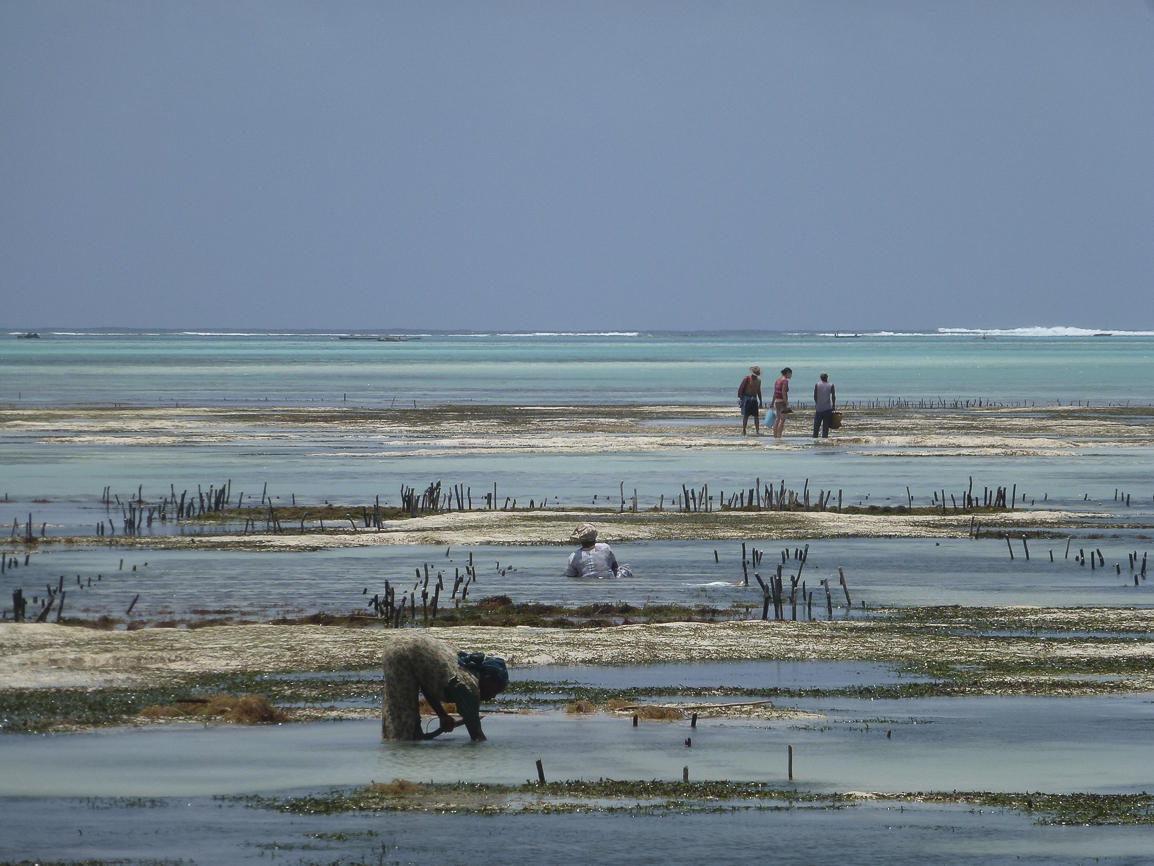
{"x":1039,"y":331}
{"x":572,"y":334}
{"x":1057,"y":331}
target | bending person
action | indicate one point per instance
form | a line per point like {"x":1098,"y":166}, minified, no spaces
{"x":594,"y":559}
{"x":417,"y":664}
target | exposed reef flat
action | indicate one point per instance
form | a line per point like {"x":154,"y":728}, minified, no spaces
{"x":546,"y":527}
{"x":498,"y":429}
{"x":1017,"y":650}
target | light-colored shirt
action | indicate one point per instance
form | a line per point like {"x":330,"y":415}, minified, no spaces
{"x":823,"y":396}
{"x":598,"y":562}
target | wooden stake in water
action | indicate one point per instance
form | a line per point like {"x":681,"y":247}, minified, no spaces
{"x":540,"y":773}
{"x":791,"y":763}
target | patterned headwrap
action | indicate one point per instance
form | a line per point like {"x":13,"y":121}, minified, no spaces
{"x":478,"y":664}
{"x":586,"y":533}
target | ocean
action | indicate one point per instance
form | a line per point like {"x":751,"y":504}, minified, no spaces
{"x":1043,"y":366}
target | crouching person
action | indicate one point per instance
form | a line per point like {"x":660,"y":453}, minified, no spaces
{"x":417,"y":664}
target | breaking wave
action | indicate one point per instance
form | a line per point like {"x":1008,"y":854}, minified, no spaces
{"x":1043,"y":332}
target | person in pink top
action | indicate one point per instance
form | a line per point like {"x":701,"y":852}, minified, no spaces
{"x":781,"y":405}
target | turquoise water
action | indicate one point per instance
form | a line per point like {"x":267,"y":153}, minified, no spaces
{"x":163,"y":368}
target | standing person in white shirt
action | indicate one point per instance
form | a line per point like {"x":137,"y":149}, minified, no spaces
{"x":824,"y":402}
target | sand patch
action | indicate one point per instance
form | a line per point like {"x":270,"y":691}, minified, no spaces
{"x":47,"y":655}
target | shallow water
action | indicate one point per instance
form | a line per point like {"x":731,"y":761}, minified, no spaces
{"x":215,"y":833}
{"x":993,"y":744}
{"x":207,"y":369}
{"x":879,"y":572}
{"x":61,"y":484}
{"x":751,"y":674}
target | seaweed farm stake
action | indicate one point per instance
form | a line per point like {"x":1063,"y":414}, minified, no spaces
{"x":1010,"y":546}
{"x":1026,"y":547}
{"x":766,"y":596}
{"x":791,"y":763}
{"x":540,"y":773}
{"x":845,"y":587}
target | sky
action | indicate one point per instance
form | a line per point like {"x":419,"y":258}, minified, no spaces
{"x":578,"y":166}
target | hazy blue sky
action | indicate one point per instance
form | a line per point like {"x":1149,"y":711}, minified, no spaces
{"x":577,"y":165}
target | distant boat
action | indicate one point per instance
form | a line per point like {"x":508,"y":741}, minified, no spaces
{"x":31,"y":335}
{"x":1104,"y":334}
{"x":838,"y":336}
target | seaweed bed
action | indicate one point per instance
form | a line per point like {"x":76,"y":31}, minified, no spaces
{"x":608,"y":795}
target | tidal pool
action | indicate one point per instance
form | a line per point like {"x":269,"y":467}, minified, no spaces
{"x":187,"y":584}
{"x":1058,"y":745}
